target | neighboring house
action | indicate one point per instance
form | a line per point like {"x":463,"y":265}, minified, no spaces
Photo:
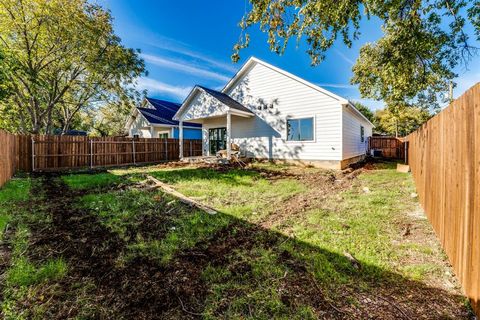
{"x":153,"y":119}
{"x":273,"y":114}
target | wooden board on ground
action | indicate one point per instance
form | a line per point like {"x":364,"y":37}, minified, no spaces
{"x":168,"y":189}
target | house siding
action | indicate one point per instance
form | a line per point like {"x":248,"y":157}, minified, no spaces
{"x":203,"y":105}
{"x":274,"y":97}
{"x":352,"y":142}
{"x":140,"y":127}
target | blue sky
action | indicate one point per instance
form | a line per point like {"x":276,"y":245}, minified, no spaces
{"x":188,"y":42}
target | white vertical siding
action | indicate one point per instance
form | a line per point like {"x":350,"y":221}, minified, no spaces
{"x":274,"y":97}
{"x":352,"y":142}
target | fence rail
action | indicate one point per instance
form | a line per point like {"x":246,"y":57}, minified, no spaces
{"x":444,"y":156}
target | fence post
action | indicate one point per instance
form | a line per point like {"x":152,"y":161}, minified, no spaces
{"x":191,"y":154}
{"x":133,"y":150}
{"x":33,"y":154}
{"x":91,"y":154}
{"x":166,"y":149}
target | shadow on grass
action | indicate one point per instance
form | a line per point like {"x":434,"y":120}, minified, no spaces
{"x":223,"y":267}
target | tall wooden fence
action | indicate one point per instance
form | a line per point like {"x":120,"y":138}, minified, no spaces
{"x":67,"y":152}
{"x":7,"y":156}
{"x":391,"y":147}
{"x":444,"y":156}
{"x":51,"y":153}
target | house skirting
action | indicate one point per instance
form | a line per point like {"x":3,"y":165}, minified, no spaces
{"x":323,"y":164}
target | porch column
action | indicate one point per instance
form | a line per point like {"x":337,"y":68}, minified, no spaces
{"x":180,"y":138}
{"x":229,"y":135}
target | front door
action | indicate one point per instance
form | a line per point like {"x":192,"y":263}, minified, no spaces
{"x":217,"y":138}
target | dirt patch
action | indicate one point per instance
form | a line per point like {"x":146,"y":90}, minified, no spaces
{"x":320,"y":184}
{"x":140,"y":288}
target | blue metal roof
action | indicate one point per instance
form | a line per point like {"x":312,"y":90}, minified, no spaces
{"x":163,"y":113}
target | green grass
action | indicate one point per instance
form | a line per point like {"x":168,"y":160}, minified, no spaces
{"x":242,"y":194}
{"x":249,"y":277}
{"x":20,"y":209}
{"x":119,"y":209}
{"x":97,"y":180}
{"x":24,"y":273}
{"x":12,"y":194}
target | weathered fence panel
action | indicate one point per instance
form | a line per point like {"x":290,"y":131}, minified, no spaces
{"x":67,"y":152}
{"x":7,"y":156}
{"x":444,"y":156}
{"x":391,"y":147}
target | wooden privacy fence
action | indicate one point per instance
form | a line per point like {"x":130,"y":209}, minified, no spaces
{"x":444,"y":156}
{"x":7,"y":156}
{"x":67,"y":152}
{"x":391,"y":147}
{"x":15,"y":152}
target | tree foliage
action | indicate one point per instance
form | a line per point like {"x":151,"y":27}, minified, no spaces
{"x":400,"y":121}
{"x":62,"y":57}
{"x":365,"y":111}
{"x":423,"y":41}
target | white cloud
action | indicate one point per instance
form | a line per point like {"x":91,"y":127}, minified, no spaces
{"x":155,"y":86}
{"x":184,"y":49}
{"x":337,"y":85}
{"x":183,"y":66}
{"x":344,"y":57}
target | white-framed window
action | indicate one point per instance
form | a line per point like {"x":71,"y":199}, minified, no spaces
{"x":362,"y":133}
{"x":163,"y":135}
{"x":301,"y":129}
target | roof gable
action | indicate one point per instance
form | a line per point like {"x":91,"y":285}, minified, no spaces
{"x":158,"y":112}
{"x":213,"y":103}
{"x":250,"y":64}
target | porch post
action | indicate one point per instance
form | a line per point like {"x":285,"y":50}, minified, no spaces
{"x":180,"y":138}
{"x":229,"y":135}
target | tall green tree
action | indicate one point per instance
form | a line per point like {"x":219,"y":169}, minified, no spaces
{"x":61,"y":56}
{"x":400,"y":121}
{"x":365,"y":111}
{"x":423,"y":41}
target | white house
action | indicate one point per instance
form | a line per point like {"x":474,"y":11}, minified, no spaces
{"x":153,"y":119}
{"x":273,"y":114}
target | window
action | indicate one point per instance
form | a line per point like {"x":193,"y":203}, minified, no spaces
{"x":136,"y":136}
{"x":362,"y":133}
{"x":163,"y":135}
{"x":300,"y":129}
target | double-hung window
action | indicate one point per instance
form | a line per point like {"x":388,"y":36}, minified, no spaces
{"x":300,"y":129}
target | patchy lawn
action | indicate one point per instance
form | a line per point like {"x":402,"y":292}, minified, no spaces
{"x":287,"y":243}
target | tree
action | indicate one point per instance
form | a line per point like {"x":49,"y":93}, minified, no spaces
{"x":365,"y":111}
{"x":61,"y":57}
{"x":400,"y":121}
{"x":423,"y":41}
{"x":107,"y":120}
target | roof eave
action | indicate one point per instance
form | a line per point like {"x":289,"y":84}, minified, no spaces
{"x":348,"y":103}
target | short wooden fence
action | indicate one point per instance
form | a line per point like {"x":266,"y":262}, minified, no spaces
{"x":444,"y":156}
{"x":391,"y":147}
